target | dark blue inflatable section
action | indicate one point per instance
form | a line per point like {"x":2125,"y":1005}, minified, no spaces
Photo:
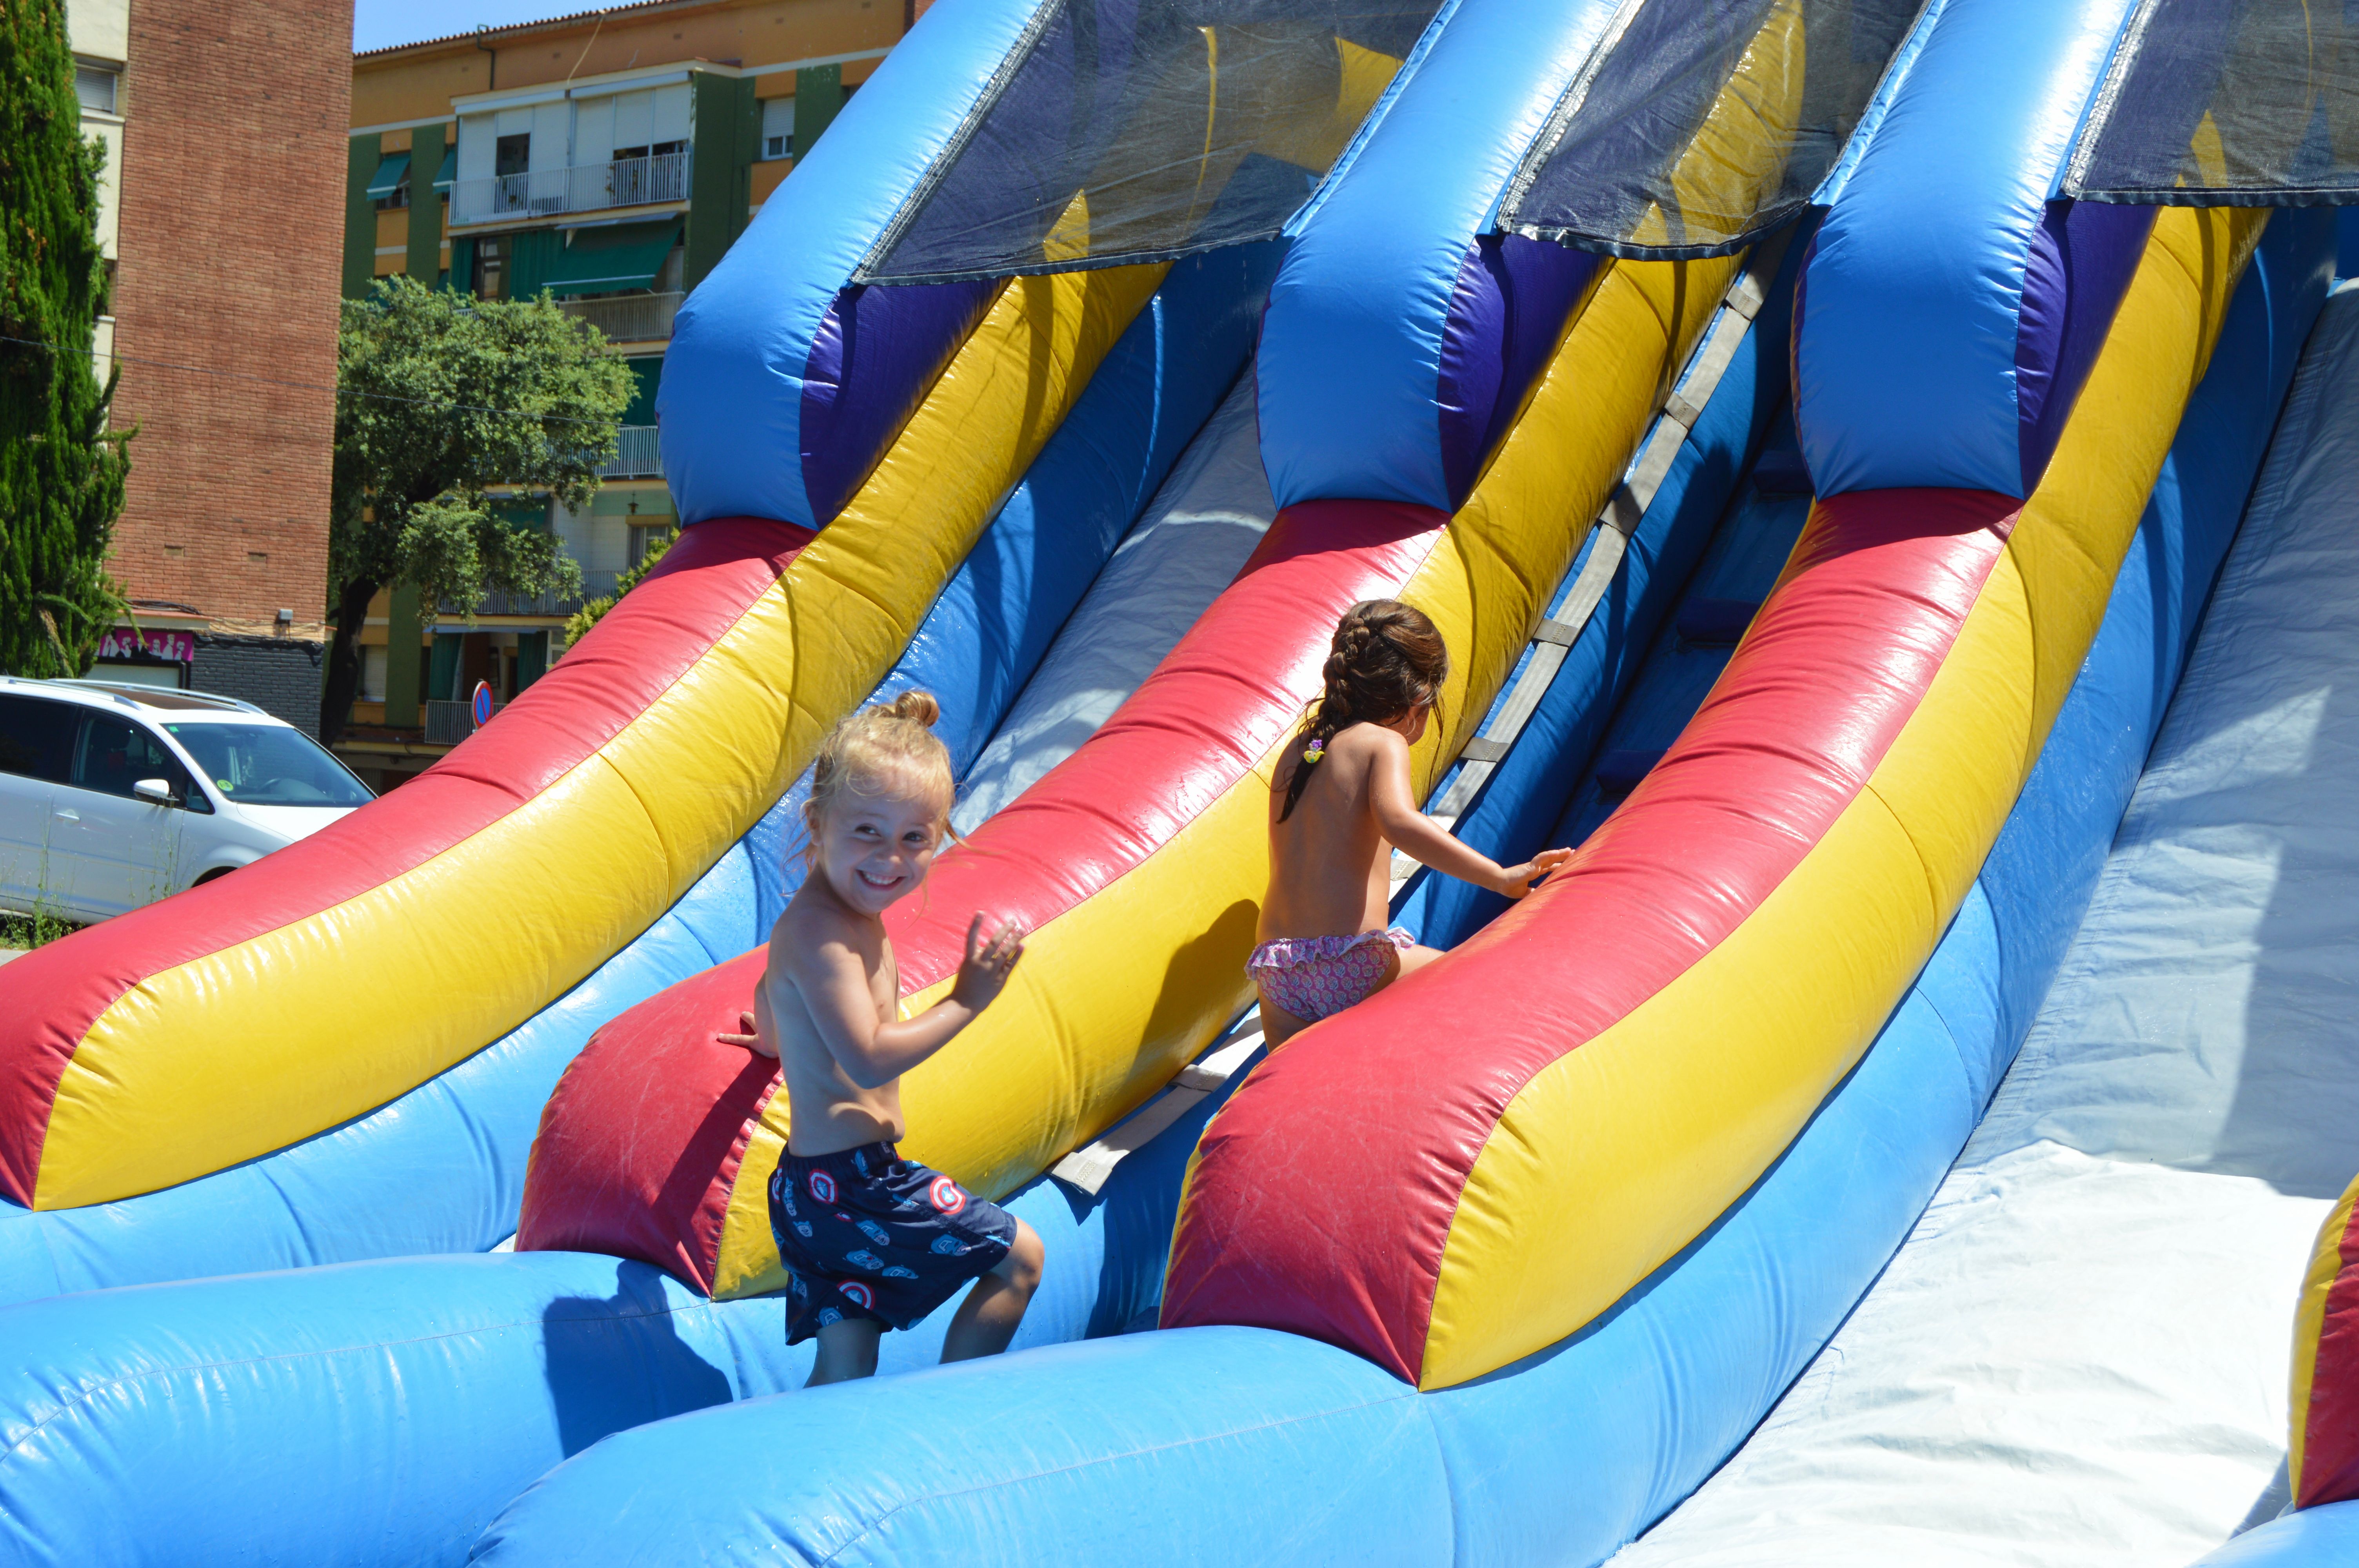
{"x":1239,"y":1444}
{"x":441,"y":1168}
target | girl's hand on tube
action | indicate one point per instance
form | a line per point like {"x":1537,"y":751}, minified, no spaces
{"x":1516,"y":880}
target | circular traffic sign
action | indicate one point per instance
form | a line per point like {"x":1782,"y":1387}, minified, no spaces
{"x":482,"y":703}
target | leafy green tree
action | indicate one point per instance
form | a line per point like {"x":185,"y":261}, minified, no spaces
{"x":60,"y":468}
{"x":440,"y":396}
{"x":578,"y":624}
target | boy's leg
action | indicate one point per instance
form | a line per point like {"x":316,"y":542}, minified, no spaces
{"x":847,"y":1350}
{"x":986,"y":1320}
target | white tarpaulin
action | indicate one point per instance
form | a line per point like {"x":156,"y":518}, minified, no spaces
{"x":1198,"y":531}
{"x":2080,"y":1355}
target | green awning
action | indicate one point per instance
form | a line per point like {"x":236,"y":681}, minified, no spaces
{"x":447,"y":172}
{"x":387,"y":178}
{"x":617,"y":256}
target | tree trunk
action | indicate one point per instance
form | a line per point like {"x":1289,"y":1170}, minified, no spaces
{"x":344,"y":658}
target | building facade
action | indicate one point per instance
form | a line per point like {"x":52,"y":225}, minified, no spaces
{"x":227,"y":347}
{"x":610,"y":157}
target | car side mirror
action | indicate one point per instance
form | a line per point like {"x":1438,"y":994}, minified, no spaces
{"x":156,"y":790}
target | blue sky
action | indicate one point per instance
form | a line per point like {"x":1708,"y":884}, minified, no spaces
{"x":380,"y":24}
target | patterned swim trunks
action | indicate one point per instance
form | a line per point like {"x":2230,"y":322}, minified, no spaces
{"x":865,"y":1233}
{"x":1311,"y":976}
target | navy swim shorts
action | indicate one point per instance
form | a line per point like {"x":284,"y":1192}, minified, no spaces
{"x":865,"y":1233}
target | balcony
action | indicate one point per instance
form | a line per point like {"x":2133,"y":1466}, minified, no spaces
{"x":628,"y":318}
{"x":639,"y":458}
{"x":586,"y":188}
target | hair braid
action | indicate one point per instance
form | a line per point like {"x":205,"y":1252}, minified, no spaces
{"x":1386,"y":660}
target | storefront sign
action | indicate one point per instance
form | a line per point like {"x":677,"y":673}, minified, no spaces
{"x":123,"y":642}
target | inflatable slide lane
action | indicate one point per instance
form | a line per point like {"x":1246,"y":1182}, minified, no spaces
{"x":1138,"y":863}
{"x":1501,"y":1264}
{"x":876,"y":457}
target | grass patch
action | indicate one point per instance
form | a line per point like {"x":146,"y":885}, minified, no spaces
{"x":35,"y":930}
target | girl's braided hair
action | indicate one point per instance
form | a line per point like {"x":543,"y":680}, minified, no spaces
{"x":1388,"y":660}
{"x":869,"y":751}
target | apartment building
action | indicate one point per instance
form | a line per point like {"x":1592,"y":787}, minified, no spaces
{"x":610,"y":157}
{"x":227,"y":347}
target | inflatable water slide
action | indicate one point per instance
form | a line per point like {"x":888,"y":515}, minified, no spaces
{"x":1063,"y":471}
{"x":1501,"y":1265}
{"x":1815,"y":433}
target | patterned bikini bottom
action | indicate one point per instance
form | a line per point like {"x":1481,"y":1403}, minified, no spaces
{"x":1311,"y":976}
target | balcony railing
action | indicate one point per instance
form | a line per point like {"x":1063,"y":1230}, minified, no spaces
{"x":585,"y":188}
{"x":448,"y":723}
{"x":640,"y":456}
{"x":629,"y":317}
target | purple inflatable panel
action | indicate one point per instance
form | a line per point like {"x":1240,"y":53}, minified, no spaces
{"x":1511,"y":301}
{"x":2079,"y":267}
{"x":874,"y":356}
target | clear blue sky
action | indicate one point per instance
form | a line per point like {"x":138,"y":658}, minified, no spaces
{"x":380,"y":24}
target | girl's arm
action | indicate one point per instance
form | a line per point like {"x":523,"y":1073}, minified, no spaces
{"x":1422,"y":839}
{"x":872,"y":1050}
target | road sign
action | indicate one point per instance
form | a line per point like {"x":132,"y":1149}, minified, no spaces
{"x":482,"y":703}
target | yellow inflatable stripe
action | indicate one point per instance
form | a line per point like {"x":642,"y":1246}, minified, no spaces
{"x":1620,"y":1152}
{"x":1119,"y":993}
{"x":254,"y":1047}
{"x":2310,"y":1324}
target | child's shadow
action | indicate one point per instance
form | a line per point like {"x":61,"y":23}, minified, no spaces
{"x":618,"y":1361}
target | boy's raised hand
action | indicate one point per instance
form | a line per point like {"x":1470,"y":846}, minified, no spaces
{"x":1516,"y":880}
{"x":983,"y":974}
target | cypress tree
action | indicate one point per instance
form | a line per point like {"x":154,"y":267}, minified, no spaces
{"x":61,"y":469}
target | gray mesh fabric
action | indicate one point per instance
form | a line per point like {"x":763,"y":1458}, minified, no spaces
{"x":1701,"y":124}
{"x":1139,"y":130}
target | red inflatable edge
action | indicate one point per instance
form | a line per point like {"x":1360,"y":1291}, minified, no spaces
{"x":1322,"y":1196}
{"x":49,"y":998}
{"x":2330,"y":1447}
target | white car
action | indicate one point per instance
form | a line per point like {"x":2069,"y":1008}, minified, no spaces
{"x":114,"y":796}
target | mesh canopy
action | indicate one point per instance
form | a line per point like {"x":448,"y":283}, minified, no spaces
{"x":1701,"y":124}
{"x":2226,"y":103}
{"x":1139,"y":130}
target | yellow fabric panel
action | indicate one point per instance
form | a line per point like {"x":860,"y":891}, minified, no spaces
{"x":1743,"y":142}
{"x":1119,"y":993}
{"x":1619,"y":1154}
{"x":262,"y":1043}
{"x":2309,"y":1323}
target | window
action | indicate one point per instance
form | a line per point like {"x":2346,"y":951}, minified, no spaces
{"x":114,"y":754}
{"x":777,"y":127}
{"x":269,"y":765}
{"x":490,"y":281}
{"x":37,"y":737}
{"x":645,"y":535}
{"x":94,"y":85}
{"x":513,"y":155}
{"x":392,"y":200}
{"x":373,"y":665}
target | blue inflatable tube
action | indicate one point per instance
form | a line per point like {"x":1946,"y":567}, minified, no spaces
{"x":2313,"y":1538}
{"x":381,"y":1413}
{"x":441,"y":1168}
{"x":1314,"y":1456}
{"x":1399,"y":347}
{"x":1951,"y":308}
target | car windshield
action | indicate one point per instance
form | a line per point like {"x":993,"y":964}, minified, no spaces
{"x":269,"y":765}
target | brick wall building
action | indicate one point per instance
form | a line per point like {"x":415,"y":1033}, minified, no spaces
{"x":230,"y":240}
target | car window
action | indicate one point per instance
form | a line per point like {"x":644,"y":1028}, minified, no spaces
{"x":269,"y":765}
{"x":115,"y":754}
{"x":37,"y":737}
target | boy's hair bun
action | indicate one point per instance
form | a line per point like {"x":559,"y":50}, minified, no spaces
{"x":884,"y":742}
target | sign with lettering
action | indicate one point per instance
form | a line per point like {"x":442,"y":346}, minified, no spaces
{"x":124,"y":643}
